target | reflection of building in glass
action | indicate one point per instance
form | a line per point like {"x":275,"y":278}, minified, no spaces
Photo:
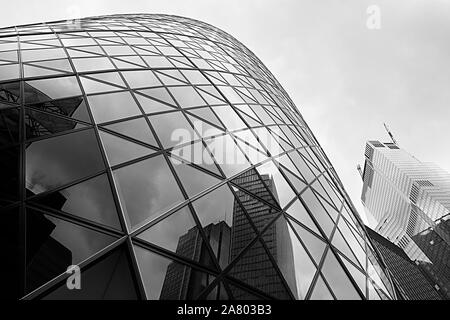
{"x":88,"y":110}
{"x":411,"y":279}
{"x":410,"y":200}
{"x":255,"y":266}
{"x":184,"y":283}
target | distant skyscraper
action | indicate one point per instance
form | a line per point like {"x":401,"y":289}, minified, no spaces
{"x":410,"y":277}
{"x":410,"y":201}
{"x":256,"y":266}
{"x":182,"y":282}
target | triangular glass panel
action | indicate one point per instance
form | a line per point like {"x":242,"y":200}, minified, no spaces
{"x":330,"y":209}
{"x":298,"y":184}
{"x":152,"y":106}
{"x":113,"y":106}
{"x":187,"y":96}
{"x":229,"y":117}
{"x":256,"y":269}
{"x":141,"y":79}
{"x":58,"y":160}
{"x":219,"y":292}
{"x":35,"y":71}
{"x":112,"y":78}
{"x":204,"y":128}
{"x":137,"y":129}
{"x":173,"y":129}
{"x":196,"y":153}
{"x":109,"y":278}
{"x":53,"y":245}
{"x":357,"y":275}
{"x":119,"y":150}
{"x":169,"y":80}
{"x":223,"y":219}
{"x":211,"y":95}
{"x":159,"y":94}
{"x":192,"y":179}
{"x":40,"y":124}
{"x":126,"y":62}
{"x":302,"y":166}
{"x":74,"y":108}
{"x":242,"y":294}
{"x":339,"y":242}
{"x":91,"y":199}
{"x":298,"y":211}
{"x":250,"y":121}
{"x":207,"y":114}
{"x":227,"y":155}
{"x":321,"y":291}
{"x":165,"y":279}
{"x":313,"y":244}
{"x":180,"y":234}
{"x":339,"y":282}
{"x":295,"y":263}
{"x":319,"y":213}
{"x":255,"y":156}
{"x":93,"y":86}
{"x":146,"y":190}
{"x":277,"y":184}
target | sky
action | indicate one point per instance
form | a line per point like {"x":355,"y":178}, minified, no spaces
{"x":345,"y":79}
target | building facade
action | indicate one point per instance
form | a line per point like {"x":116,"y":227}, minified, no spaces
{"x":412,"y":280}
{"x":410,"y":201}
{"x":131,"y":133}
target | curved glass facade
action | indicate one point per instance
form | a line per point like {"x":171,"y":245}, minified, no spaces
{"x":159,"y":155}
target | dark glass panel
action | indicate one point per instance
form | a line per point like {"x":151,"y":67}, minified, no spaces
{"x":12,"y":252}
{"x":38,"y":124}
{"x":74,"y":108}
{"x":10,"y":92}
{"x":180,"y":234}
{"x":91,"y":199}
{"x":146,"y":189}
{"x":9,"y":126}
{"x":256,"y":269}
{"x":9,"y":173}
{"x":53,"y":162}
{"x":110,"y":278}
{"x":54,"y":244}
{"x":220,"y":212}
{"x":165,"y":279}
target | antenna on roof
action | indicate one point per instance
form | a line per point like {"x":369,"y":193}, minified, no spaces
{"x":390,"y":133}
{"x":358,"y":167}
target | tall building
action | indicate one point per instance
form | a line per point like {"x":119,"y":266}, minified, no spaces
{"x":144,"y":124}
{"x":412,"y":280}
{"x":257,"y":267}
{"x":184,"y":283}
{"x":410,"y":201}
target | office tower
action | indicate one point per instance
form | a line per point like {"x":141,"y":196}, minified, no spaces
{"x":144,"y":124}
{"x":411,"y":278}
{"x":257,"y":267}
{"x":183,"y":283}
{"x":410,"y":201}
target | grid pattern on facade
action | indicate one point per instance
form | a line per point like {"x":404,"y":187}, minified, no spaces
{"x":88,"y":111}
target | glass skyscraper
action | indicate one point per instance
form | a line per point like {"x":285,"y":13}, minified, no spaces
{"x":159,"y":155}
{"x":410,"y":201}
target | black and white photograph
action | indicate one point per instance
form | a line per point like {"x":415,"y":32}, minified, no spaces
{"x":203,"y":150}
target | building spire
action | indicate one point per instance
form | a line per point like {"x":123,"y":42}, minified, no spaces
{"x":390,"y":133}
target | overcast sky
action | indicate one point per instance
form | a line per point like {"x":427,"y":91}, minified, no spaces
{"x":345,"y":79}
